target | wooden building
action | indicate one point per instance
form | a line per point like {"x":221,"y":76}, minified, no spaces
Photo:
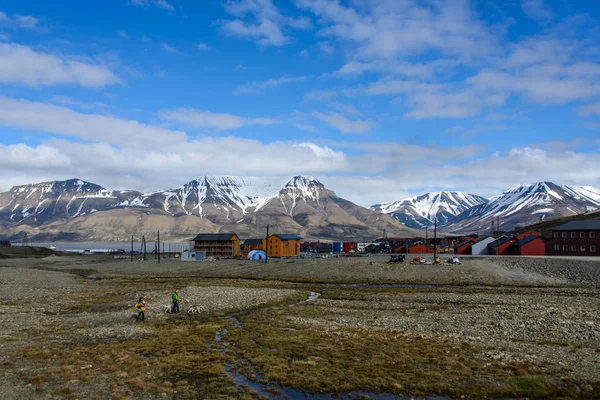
{"x":528,"y":246}
{"x":217,"y":245}
{"x":575,"y":238}
{"x":500,"y":246}
{"x":252,"y":244}
{"x":283,"y":246}
{"x":464,"y":247}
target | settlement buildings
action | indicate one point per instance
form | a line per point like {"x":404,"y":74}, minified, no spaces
{"x":228,"y":245}
{"x":575,"y":238}
{"x":283,"y":246}
{"x":217,"y":245}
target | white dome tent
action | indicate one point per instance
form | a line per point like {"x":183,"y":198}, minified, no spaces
{"x":257,"y":255}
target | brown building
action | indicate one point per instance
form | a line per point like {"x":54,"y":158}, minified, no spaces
{"x":217,"y":245}
{"x":283,"y":246}
{"x":575,"y":238}
{"x":252,"y":244}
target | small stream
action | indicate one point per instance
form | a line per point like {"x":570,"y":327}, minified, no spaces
{"x":274,"y":391}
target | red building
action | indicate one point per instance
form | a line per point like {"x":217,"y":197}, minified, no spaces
{"x":500,"y":246}
{"x":350,"y":247}
{"x":528,"y":246}
{"x":464,"y":247}
{"x":575,"y":238}
{"x":420,"y":249}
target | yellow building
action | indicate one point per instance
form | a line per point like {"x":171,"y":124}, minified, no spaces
{"x":218,"y":245}
{"x":283,"y":246}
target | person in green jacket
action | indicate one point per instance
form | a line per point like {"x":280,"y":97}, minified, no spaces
{"x":175,"y":299}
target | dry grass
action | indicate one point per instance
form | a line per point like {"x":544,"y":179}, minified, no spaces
{"x":343,"y":359}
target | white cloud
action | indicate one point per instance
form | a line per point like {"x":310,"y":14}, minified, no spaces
{"x":144,"y":169}
{"x":450,"y":28}
{"x":26,"y":21}
{"x":203,"y":46}
{"x":537,"y":11}
{"x":240,"y":68}
{"x":307,"y":128}
{"x":590,"y":109}
{"x":69,"y":101}
{"x":202,"y":119}
{"x":260,"y":20}
{"x":19,"y":21}
{"x":21,"y":65}
{"x":170,"y":49}
{"x":164,"y":4}
{"x":258,"y":87}
{"x":321,"y":95}
{"x":343,"y":124}
{"x":42,"y":117}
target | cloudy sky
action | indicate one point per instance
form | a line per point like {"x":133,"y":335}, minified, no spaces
{"x":379,"y":99}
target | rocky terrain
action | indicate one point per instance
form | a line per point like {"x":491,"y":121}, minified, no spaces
{"x":530,"y":326}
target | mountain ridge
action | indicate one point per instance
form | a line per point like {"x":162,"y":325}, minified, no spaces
{"x":212,"y":202}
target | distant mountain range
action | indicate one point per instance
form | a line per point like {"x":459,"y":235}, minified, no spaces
{"x":77,"y":210}
{"x":521,"y":205}
{"x":419,"y":211}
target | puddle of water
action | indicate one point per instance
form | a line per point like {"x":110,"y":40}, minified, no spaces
{"x":273,"y":391}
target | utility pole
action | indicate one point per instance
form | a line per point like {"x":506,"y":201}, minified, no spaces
{"x":434,"y":238}
{"x":267,"y":245}
{"x":158,"y":248}
{"x":132,"y":248}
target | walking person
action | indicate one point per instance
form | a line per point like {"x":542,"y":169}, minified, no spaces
{"x":175,"y":299}
{"x":140,"y":306}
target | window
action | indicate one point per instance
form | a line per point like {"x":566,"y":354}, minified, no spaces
{"x":564,"y":234}
{"x":555,"y":234}
{"x":582,"y":235}
{"x":573,"y":235}
{"x":565,"y":247}
{"x":592,"y":235}
{"x":556,"y":247}
{"x":582,"y":248}
{"x":573,"y":247}
{"x":592,"y":249}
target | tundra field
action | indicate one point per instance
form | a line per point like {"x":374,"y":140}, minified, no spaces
{"x":300,"y":328}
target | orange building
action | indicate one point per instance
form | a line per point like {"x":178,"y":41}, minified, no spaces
{"x":252,"y":244}
{"x":283,"y":246}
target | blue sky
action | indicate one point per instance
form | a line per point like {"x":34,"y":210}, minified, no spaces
{"x":379,"y":99}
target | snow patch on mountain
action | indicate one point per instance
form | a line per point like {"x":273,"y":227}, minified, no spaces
{"x":420,"y":211}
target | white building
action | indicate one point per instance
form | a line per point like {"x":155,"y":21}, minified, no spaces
{"x":481,"y":248}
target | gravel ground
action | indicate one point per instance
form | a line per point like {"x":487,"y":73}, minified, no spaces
{"x":540,"y":310}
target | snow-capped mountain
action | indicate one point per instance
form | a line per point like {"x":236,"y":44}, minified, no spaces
{"x":418,"y":212}
{"x":526,"y":204}
{"x":220,"y":199}
{"x":81,"y":210}
{"x":38,"y":203}
{"x":306,"y":207}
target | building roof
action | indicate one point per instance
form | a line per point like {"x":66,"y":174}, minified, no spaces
{"x":288,"y":237}
{"x":254,"y":242}
{"x":526,"y":239}
{"x":499,"y":241}
{"x":592,"y":224}
{"x":461,"y":244}
{"x":215,"y":236}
